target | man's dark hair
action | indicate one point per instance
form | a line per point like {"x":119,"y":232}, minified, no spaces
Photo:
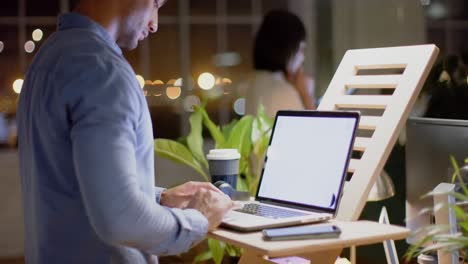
{"x":277,"y":39}
{"x":73,"y":4}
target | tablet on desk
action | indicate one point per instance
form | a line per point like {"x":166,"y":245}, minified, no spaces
{"x":301,"y":232}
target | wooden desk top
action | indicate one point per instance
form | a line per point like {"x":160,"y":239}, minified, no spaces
{"x":353,"y":233}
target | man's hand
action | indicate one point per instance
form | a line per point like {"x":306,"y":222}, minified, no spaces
{"x":180,"y":196}
{"x":213,"y":205}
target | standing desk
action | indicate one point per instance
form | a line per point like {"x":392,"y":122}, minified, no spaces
{"x":323,"y":251}
{"x":401,"y":70}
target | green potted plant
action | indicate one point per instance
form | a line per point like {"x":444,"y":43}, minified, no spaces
{"x":437,"y":237}
{"x":250,"y":136}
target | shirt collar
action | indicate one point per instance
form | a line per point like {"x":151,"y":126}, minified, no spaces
{"x":74,"y":20}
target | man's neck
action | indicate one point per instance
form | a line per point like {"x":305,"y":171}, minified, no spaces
{"x":106,"y":18}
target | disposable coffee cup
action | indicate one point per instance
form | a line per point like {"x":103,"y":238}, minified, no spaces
{"x":224,"y":165}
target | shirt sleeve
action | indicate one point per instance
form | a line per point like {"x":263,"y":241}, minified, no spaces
{"x":104,"y":110}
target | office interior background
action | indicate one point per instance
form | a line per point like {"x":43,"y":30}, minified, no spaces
{"x":203,"y":52}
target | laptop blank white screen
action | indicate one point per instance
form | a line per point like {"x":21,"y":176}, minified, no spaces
{"x":306,"y":160}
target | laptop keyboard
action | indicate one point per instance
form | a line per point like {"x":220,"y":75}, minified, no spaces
{"x":268,"y":211}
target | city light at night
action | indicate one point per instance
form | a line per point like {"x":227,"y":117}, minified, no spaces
{"x":29,"y":46}
{"x":173,"y":92}
{"x":206,"y":81}
{"x":178,"y":82}
{"x":18,"y":85}
{"x":140,"y":80}
{"x":37,"y":35}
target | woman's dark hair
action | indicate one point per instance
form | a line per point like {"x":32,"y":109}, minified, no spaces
{"x":277,"y":40}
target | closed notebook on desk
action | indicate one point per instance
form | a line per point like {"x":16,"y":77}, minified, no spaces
{"x":304,"y":171}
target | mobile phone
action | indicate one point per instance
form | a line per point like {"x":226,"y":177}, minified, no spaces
{"x":301,"y":232}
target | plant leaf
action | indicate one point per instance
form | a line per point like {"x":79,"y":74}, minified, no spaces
{"x":262,"y":124}
{"x":456,"y":174}
{"x":266,"y":121}
{"x":459,"y":213}
{"x":233,"y":251}
{"x":260,"y":148}
{"x":459,"y":196}
{"x":177,"y":152}
{"x":438,"y":237}
{"x":195,"y":138}
{"x":214,"y":130}
{"x":230,"y":250}
{"x":241,"y":184}
{"x":415,"y":249}
{"x":239,"y":137}
{"x":182,"y":140}
{"x":217,"y":250}
{"x":226,"y":129}
{"x":204,"y":256}
{"x":464,"y":225}
{"x":455,"y":167}
{"x":439,"y":246}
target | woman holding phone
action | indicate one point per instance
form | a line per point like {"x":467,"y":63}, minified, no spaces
{"x":279,"y":81}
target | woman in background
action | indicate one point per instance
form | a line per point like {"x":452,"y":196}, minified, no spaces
{"x":279,"y":81}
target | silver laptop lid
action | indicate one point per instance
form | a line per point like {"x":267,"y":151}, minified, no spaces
{"x":307,"y":159}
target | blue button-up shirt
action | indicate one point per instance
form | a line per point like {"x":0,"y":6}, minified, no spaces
{"x":87,"y":158}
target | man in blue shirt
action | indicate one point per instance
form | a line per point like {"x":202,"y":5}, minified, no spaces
{"x":86,"y":149}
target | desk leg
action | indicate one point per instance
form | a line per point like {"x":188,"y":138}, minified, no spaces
{"x":322,"y":257}
{"x":249,"y":257}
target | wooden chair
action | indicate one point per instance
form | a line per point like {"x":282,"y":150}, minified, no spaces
{"x":400,"y":72}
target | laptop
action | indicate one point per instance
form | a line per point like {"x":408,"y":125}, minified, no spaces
{"x":304,"y":171}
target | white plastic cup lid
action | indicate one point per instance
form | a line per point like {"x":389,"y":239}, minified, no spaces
{"x":223,"y":154}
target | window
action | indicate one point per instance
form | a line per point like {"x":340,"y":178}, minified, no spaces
{"x":194,"y":37}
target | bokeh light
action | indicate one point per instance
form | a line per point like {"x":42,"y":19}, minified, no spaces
{"x":140,"y":80}
{"x":227,"y":81}
{"x":29,"y":46}
{"x":37,"y":35}
{"x":190,"y":101}
{"x":18,"y":85}
{"x":178,"y":82}
{"x":1,"y":46}
{"x":171,"y":82}
{"x":187,"y":83}
{"x":173,"y":92}
{"x":206,"y":81}
{"x":437,"y":11}
{"x":239,"y":106}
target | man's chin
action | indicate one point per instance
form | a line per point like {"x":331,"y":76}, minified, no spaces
{"x":128,"y":45}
